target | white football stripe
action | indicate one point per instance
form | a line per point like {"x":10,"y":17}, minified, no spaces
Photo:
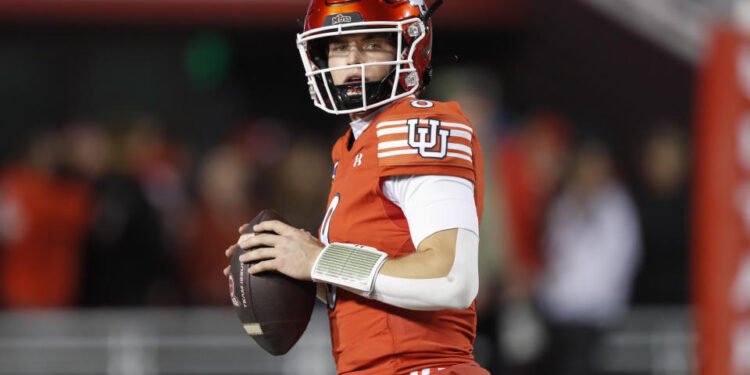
{"x":457,"y":125}
{"x":459,"y":147}
{"x":460,"y":133}
{"x":401,"y":129}
{"x":403,"y":143}
{"x":413,"y":151}
{"x":253,"y":329}
{"x":390,"y":123}
{"x":460,"y":156}
{"x":404,"y":129}
{"x":424,"y":122}
{"x":397,"y":152}
{"x":392,"y":144}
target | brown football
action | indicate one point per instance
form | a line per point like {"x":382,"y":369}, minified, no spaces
{"x":274,"y":309}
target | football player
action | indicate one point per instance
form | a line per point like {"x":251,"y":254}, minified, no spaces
{"x":396,"y":255}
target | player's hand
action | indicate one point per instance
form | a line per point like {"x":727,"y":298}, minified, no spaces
{"x":229,"y":252}
{"x":289,"y":250}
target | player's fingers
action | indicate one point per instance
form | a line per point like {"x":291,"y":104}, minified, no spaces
{"x":243,"y":228}
{"x":230,"y":250}
{"x":226,"y":271}
{"x":268,"y":265}
{"x":275,"y":226}
{"x":258,"y":254}
{"x":244,"y":238}
{"x":263,"y":239}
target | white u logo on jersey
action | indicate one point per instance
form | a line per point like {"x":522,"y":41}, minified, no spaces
{"x":425,"y":138}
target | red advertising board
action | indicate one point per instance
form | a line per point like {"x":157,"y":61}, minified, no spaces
{"x":721,"y":216}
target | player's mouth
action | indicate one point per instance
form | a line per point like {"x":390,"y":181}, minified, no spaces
{"x":353,"y":79}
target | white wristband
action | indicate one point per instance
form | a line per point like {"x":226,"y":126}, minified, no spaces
{"x":348,"y":265}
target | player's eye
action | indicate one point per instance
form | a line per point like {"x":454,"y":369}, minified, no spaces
{"x":337,"y":47}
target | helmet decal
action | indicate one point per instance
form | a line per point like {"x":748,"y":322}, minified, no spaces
{"x":337,"y":19}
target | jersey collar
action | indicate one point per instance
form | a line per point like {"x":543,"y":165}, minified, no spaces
{"x":360,"y":125}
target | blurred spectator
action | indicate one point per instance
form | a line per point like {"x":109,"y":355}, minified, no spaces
{"x":159,"y":166}
{"x":225,"y":201}
{"x":43,"y":218}
{"x":592,"y":246}
{"x":302,"y":181}
{"x":124,"y":254}
{"x":529,"y":162}
{"x":663,"y":199}
{"x":262,"y":142}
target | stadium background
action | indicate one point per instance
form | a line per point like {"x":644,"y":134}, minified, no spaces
{"x":143,"y":132}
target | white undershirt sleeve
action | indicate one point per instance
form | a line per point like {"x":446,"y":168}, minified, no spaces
{"x":433,"y":203}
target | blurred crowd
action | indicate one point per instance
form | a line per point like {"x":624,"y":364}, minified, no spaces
{"x":94,"y":214}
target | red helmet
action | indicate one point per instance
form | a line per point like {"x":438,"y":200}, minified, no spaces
{"x":407,"y":20}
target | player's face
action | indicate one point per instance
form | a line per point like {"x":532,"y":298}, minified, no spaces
{"x":359,"y":49}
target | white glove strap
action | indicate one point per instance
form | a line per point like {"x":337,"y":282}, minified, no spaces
{"x":348,"y":265}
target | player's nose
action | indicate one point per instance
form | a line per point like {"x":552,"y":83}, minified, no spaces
{"x":354,"y":57}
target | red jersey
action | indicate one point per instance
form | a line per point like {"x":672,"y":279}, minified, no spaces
{"x":44,"y":220}
{"x":411,"y":137}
